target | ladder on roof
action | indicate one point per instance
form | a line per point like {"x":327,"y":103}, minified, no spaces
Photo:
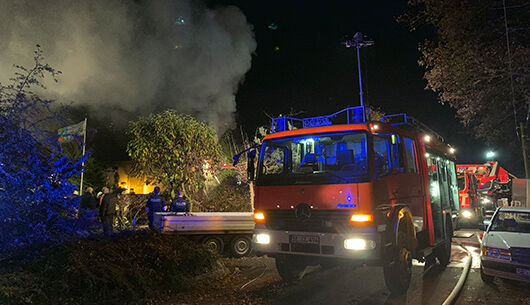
{"x":350,"y":115}
{"x":406,"y":120}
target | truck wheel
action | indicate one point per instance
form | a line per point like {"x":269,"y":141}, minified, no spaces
{"x":214,"y":244}
{"x":443,"y":252}
{"x":290,"y":267}
{"x":240,"y":246}
{"x":398,"y":271}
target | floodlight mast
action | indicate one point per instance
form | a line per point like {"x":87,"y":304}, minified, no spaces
{"x":358,"y":41}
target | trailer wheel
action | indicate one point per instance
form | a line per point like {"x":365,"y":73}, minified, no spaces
{"x":214,"y":244}
{"x":290,"y":267}
{"x":398,"y":272}
{"x":240,"y":246}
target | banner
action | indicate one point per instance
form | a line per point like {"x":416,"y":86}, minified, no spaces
{"x":68,"y":133}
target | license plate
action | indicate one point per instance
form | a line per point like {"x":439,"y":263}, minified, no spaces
{"x":304,"y":239}
{"x":523,"y":272}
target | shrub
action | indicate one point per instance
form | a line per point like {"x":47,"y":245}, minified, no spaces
{"x":36,"y":202}
{"x":231,"y":195}
{"x":106,"y":271}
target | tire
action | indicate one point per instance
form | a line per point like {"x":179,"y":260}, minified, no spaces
{"x":290,"y":267}
{"x":488,"y":279}
{"x":214,"y":244}
{"x":398,"y":272}
{"x":443,"y":252}
{"x":240,"y":246}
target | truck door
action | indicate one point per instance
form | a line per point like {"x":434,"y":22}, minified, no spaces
{"x":433,"y":163}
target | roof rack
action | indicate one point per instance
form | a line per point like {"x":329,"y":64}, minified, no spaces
{"x":406,"y":120}
{"x":353,"y":115}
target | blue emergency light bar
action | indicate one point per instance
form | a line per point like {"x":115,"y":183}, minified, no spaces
{"x":354,"y":115}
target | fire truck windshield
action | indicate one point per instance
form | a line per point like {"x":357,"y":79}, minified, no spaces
{"x":314,"y":159}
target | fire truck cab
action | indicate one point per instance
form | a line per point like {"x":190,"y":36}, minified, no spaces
{"x":470,"y":210}
{"x":378,"y":193}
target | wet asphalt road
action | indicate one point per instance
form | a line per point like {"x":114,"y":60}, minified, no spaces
{"x":365,"y":285}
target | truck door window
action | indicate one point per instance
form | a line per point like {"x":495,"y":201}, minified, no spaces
{"x":381,"y":156}
{"x":410,"y":155}
{"x":273,"y":160}
{"x":397,"y":154}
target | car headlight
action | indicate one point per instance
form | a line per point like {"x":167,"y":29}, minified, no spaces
{"x":486,"y":200}
{"x":497,"y":253}
{"x":467,"y":214}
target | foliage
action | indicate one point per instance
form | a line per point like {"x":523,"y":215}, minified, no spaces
{"x":172,"y":149}
{"x":105,"y":271}
{"x":36,"y":202}
{"x":467,"y":63}
{"x":131,"y":212}
{"x":231,"y":195}
{"x":94,"y":174}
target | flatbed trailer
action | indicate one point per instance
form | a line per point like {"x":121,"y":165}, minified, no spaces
{"x":221,"y":232}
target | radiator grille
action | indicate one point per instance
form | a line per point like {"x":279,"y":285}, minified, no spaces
{"x":319,"y":221}
{"x":521,"y":255}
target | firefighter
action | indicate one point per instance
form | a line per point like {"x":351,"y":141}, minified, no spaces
{"x":154,"y":204}
{"x":180,"y":204}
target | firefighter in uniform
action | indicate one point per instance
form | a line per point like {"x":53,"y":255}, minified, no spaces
{"x":180,"y":204}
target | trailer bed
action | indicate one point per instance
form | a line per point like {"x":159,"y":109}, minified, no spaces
{"x":205,"y":222}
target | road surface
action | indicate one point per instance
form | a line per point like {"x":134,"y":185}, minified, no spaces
{"x":254,"y":280}
{"x":365,"y":285}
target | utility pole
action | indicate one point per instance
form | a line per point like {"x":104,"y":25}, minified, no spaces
{"x":524,"y":150}
{"x":358,"y":42}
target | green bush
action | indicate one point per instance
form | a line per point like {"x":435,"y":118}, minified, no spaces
{"x":106,"y":271}
{"x":231,"y":195}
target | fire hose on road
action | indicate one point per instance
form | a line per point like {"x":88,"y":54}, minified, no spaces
{"x":460,"y":284}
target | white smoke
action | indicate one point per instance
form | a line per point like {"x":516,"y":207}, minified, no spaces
{"x":137,"y":57}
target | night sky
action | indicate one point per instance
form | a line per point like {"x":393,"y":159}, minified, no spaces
{"x":304,"y":66}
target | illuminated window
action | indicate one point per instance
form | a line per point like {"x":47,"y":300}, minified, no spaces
{"x":410,"y":153}
{"x":381,"y":156}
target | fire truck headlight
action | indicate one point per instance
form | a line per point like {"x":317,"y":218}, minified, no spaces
{"x":358,"y":244}
{"x":467,"y":214}
{"x":486,"y":200}
{"x":262,"y":238}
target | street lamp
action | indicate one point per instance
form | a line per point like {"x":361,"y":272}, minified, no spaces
{"x":358,"y":42}
{"x":490,"y":154}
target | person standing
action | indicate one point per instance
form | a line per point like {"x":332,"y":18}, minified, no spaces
{"x":89,"y":205}
{"x":154,"y":204}
{"x":107,"y":210}
{"x":180,"y":204}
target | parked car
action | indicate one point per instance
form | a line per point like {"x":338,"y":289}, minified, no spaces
{"x":506,"y":245}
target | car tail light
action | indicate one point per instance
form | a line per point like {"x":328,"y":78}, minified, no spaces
{"x":362,"y":218}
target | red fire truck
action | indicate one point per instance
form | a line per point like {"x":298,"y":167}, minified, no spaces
{"x":493,"y":186}
{"x":470,"y":210}
{"x":372,"y":192}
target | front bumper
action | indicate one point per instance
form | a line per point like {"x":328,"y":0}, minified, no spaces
{"x":331,"y":245}
{"x":503,"y":268}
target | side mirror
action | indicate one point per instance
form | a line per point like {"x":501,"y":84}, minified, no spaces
{"x":484,"y":225}
{"x":251,"y":169}
{"x":236,"y":159}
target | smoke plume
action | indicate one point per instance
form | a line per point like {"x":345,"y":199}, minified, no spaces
{"x":136,"y":57}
